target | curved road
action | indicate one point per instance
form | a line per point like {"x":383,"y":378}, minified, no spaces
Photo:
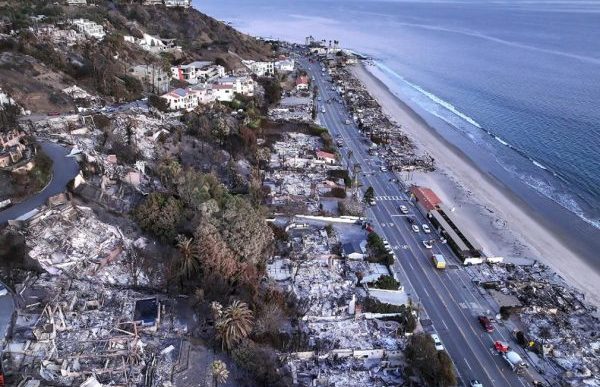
{"x":64,"y":169}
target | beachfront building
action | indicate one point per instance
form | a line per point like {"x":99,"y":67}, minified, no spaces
{"x":261,"y":69}
{"x":198,"y":71}
{"x":89,"y":28}
{"x":223,"y":92}
{"x":449,"y":225}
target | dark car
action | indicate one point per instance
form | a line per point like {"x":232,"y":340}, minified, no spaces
{"x":486,"y":324}
{"x":410,"y":219}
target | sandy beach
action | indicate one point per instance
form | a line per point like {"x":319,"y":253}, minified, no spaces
{"x":501,"y":222}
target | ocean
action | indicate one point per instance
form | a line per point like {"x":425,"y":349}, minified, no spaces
{"x":515,"y":85}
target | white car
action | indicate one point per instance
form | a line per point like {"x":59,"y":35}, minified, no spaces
{"x":475,"y":383}
{"x":415,"y":228}
{"x":319,"y":98}
{"x":426,"y":228}
{"x":404,"y":209}
{"x":3,"y":290}
{"x":437,"y":342}
{"x":323,"y":110}
{"x":427,"y":244}
{"x":383,"y":169}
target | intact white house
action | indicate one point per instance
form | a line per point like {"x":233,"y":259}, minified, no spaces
{"x":181,"y":99}
{"x":260,"y":68}
{"x":240,"y":85}
{"x":199,"y":71}
{"x":89,"y":28}
{"x":285,"y":66}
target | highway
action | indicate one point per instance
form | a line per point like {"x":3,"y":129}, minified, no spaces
{"x":448,"y":298}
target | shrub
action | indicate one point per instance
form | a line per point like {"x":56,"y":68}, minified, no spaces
{"x":386,"y":282}
{"x":160,"y":214}
{"x":338,"y":192}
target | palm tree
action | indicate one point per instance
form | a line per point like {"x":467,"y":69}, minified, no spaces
{"x":234,"y":324}
{"x":219,"y":372}
{"x":189,"y":258}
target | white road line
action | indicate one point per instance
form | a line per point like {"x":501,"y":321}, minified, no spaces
{"x":467,"y":363}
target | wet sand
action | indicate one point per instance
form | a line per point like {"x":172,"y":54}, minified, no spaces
{"x":502,"y":223}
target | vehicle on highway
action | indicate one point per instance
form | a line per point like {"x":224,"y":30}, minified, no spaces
{"x":475,"y":383}
{"x":415,"y":228}
{"x":5,"y":203}
{"x":323,"y":110}
{"x":426,"y":229}
{"x":372,"y":202}
{"x":347,"y":122}
{"x":403,"y":209}
{"x":437,"y":342}
{"x":438,"y":261}
{"x":486,"y":324}
{"x":513,"y":359}
{"x":428,"y":244}
{"x":383,"y":169}
{"x":3,"y":290}
{"x":410,"y":219}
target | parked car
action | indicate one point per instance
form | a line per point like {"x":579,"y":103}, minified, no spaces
{"x":426,"y":228}
{"x":437,"y":342}
{"x":428,"y":244}
{"x":403,"y":209}
{"x":410,"y":219}
{"x":486,"y":324}
{"x":3,"y":290}
{"x":415,"y":228}
{"x":383,"y":169}
{"x":475,"y":383}
{"x":323,"y":110}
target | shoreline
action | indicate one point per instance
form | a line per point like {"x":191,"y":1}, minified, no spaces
{"x":483,"y":203}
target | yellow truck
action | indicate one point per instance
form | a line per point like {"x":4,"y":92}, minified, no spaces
{"x":438,"y":261}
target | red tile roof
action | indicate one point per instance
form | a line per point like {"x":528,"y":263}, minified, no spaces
{"x":426,"y":197}
{"x":325,"y":155}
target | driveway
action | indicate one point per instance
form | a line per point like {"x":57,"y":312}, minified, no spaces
{"x":64,"y":169}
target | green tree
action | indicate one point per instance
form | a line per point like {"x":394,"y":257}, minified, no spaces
{"x":160,"y":214}
{"x":272,"y":89}
{"x":188,"y":260}
{"x":369,"y":195}
{"x":387,"y":282}
{"x":234,"y":324}
{"x":158,"y":103}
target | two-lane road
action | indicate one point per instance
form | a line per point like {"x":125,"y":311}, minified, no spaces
{"x":449,"y":298}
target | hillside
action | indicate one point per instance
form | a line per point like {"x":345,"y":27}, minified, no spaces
{"x":32,"y":61}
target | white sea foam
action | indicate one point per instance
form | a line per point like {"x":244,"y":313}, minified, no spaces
{"x":501,"y":141}
{"x":447,"y":105}
{"x":539,"y":165}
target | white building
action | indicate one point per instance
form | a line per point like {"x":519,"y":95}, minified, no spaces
{"x":260,"y":68}
{"x":5,"y":99}
{"x":223,"y":92}
{"x":181,"y":99}
{"x":89,"y":28}
{"x":241,"y":85}
{"x":285,"y":66}
{"x":152,"y":44}
{"x":76,"y":2}
{"x":178,"y":3}
{"x":189,"y":99}
{"x":198,"y":71}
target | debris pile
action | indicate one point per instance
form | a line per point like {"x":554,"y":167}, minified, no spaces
{"x":556,"y":321}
